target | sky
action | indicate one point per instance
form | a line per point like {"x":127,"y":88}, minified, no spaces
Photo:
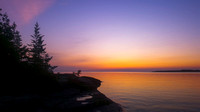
{"x":113,"y":35}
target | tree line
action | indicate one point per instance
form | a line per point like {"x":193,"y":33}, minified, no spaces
{"x":24,"y":67}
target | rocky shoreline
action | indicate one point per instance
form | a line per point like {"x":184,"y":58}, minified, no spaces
{"x":79,"y":94}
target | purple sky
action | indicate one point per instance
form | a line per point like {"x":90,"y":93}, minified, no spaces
{"x":113,"y":34}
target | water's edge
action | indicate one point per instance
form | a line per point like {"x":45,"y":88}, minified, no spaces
{"x":80,"y":94}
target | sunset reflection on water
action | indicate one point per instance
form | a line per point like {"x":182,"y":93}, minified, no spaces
{"x":150,"y":91}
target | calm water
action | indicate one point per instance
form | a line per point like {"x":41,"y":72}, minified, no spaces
{"x":152,"y":92}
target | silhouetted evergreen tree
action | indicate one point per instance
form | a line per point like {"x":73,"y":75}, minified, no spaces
{"x":9,"y":33}
{"x":38,"y":54}
{"x":18,"y":73}
{"x":11,"y":49}
{"x":9,"y":54}
{"x":17,"y":41}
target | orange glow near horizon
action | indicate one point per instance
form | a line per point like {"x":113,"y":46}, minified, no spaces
{"x":122,"y":54}
{"x":126,"y":64}
{"x":126,"y":61}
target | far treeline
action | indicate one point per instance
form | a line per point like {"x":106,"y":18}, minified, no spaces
{"x":24,"y":68}
{"x":186,"y":70}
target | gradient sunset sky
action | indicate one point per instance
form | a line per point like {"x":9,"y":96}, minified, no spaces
{"x":113,"y":34}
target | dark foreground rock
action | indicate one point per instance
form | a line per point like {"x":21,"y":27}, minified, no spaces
{"x":79,"y":94}
{"x":83,"y":83}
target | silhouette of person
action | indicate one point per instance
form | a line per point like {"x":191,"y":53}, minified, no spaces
{"x":79,"y":72}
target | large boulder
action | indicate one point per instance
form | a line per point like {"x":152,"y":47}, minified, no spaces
{"x":85,"y":83}
{"x":89,"y":82}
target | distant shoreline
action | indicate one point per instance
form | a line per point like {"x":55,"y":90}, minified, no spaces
{"x":177,"y":71}
{"x":131,"y":71}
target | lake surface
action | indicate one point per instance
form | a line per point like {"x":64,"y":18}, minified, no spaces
{"x":151,"y":92}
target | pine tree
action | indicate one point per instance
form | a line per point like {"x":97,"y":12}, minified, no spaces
{"x":17,"y":42}
{"x":38,"y":54}
{"x":18,"y":73}
{"x":11,"y":34}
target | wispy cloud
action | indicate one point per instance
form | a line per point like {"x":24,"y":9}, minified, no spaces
{"x":25,"y":10}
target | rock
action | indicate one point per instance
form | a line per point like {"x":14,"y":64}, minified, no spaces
{"x":79,"y":94}
{"x":84,"y":83}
